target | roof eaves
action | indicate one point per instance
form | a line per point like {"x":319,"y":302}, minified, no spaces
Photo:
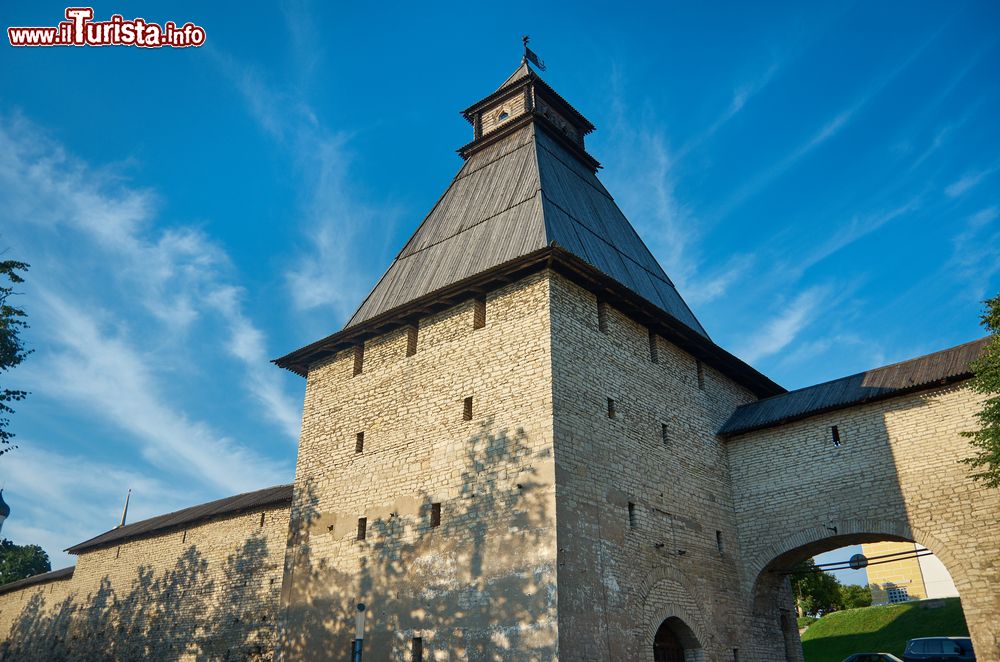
{"x":467,"y":150}
{"x":736,"y":430}
{"x":299,"y":360}
{"x":554,"y":256}
{"x":43,"y":578}
{"x":248,"y":501}
{"x":948,"y":374}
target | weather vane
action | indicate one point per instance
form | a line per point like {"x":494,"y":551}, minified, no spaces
{"x":530,"y":55}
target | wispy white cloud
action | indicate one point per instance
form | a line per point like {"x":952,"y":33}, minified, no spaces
{"x":170,"y":273}
{"x":742,"y":95}
{"x":114,"y":305}
{"x":865,"y":353}
{"x":975,"y":257}
{"x":100,"y":370}
{"x":785,"y":327}
{"x":643,"y":179}
{"x":340,"y":226}
{"x":829,"y":130}
{"x":247,"y":343}
{"x":964,"y":183}
{"x":60,"y":499}
{"x":853,"y":229}
{"x":768,"y":176}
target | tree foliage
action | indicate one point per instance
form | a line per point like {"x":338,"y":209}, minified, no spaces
{"x":986,"y":440}
{"x":20,"y":561}
{"x":816,"y":592}
{"x":12,"y":350}
{"x":853,"y":596}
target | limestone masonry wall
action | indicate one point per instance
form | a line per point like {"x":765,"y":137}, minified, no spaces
{"x":210,"y":591}
{"x":481,"y":583}
{"x":895,"y":476}
{"x":532,"y":476}
{"x":645,"y":517}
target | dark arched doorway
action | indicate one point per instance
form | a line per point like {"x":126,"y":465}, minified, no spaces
{"x":667,"y":646}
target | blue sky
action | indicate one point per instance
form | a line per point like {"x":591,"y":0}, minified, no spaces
{"x":820,"y":181}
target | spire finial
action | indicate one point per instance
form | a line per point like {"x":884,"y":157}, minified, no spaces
{"x":530,"y":56}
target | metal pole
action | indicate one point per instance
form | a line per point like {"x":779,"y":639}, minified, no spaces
{"x":359,"y":633}
{"x":125,"y":509}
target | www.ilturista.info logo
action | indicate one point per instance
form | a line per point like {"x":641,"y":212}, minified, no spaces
{"x":81,"y":30}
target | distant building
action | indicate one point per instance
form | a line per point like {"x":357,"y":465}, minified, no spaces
{"x":915,"y":574}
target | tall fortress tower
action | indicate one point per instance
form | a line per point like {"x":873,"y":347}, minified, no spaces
{"x":517,"y":429}
{"x":524,"y":446}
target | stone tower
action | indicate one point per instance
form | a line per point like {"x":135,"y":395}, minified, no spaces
{"x":510,"y":451}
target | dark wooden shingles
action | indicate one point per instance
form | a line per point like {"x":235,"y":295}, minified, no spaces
{"x":491,"y":213}
{"x":922,"y":372}
{"x":271,"y":496}
{"x":55,"y":575}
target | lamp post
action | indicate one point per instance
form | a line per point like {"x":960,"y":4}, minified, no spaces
{"x":359,"y":633}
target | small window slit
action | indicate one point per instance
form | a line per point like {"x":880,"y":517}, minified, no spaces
{"x":359,"y":359}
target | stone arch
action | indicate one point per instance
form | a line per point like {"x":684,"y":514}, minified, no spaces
{"x":665,"y":595}
{"x":768,"y":585}
{"x":848,"y":531}
{"x":677,"y":633}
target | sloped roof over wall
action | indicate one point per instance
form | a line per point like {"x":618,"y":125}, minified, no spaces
{"x":272,"y":496}
{"x":45,"y":577}
{"x":923,"y":372}
{"x":510,"y":199}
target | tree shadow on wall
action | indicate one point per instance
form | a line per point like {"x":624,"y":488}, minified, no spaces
{"x":473,"y":586}
{"x":185,"y":611}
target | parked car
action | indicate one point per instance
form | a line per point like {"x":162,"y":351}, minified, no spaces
{"x":939,"y":649}
{"x":873,"y":657}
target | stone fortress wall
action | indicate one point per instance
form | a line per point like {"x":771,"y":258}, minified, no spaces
{"x":454,"y":477}
{"x":896,"y":475}
{"x":644,"y":508}
{"x":207,"y":591}
{"x":579,"y":500}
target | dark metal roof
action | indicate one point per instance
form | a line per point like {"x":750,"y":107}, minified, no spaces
{"x":271,"y":496}
{"x":526,"y":198}
{"x":923,"y":372}
{"x":64,"y":573}
{"x":567,"y":264}
{"x":508,"y":200}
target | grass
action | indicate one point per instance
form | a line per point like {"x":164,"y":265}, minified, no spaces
{"x":881,"y":629}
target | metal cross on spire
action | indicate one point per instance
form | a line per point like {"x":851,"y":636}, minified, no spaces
{"x":530,"y":55}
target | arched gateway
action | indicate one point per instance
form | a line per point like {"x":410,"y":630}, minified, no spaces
{"x":524,"y":445}
{"x":674,"y":641}
{"x":667,"y":646}
{"x":886,"y":466}
{"x":527,"y":377}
